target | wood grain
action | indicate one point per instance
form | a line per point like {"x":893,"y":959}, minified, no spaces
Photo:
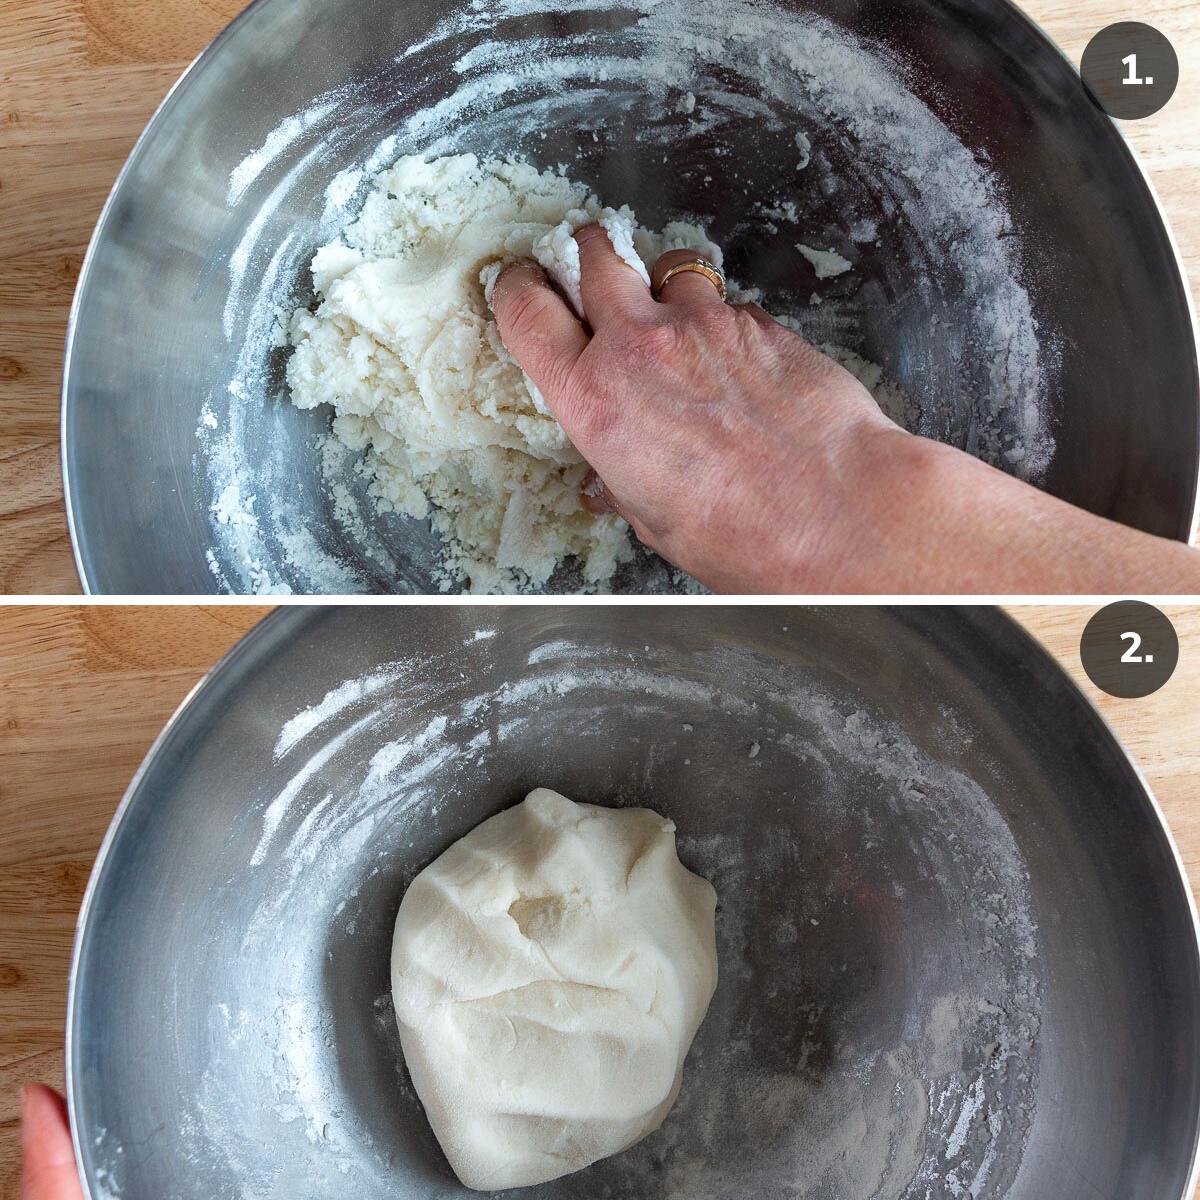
{"x":84,"y":692}
{"x":79,"y":79}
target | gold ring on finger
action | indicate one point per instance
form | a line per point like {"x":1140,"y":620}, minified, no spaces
{"x":701,"y":266}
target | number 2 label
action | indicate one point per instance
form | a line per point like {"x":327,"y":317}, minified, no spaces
{"x":1135,"y":644}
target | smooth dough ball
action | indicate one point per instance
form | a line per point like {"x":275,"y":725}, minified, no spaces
{"x":549,"y":973}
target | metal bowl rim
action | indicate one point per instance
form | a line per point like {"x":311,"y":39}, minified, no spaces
{"x":240,"y":647}
{"x":81,"y":568}
{"x":89,"y":257}
{"x":1006,"y":626}
{"x":1180,"y":265}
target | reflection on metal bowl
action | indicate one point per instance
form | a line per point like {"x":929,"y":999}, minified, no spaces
{"x":957,"y":954}
{"x":1011,"y":268}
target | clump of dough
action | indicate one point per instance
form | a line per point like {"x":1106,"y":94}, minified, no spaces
{"x":403,"y":345}
{"x":549,"y":972}
{"x":828,"y":264}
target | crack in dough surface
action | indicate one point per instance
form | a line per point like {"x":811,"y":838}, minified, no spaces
{"x":549,"y":973}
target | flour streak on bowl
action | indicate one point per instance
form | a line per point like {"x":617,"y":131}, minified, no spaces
{"x":957,"y":954}
{"x":1011,"y":271}
{"x":798,"y":1084}
{"x":944,"y":249}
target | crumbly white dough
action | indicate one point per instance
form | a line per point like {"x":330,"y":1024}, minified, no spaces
{"x":403,"y":345}
{"x":828,"y":264}
{"x":558,"y":251}
{"x":549,"y":972}
{"x":804,"y":145}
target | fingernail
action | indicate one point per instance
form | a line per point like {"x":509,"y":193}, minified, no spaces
{"x":524,"y":264}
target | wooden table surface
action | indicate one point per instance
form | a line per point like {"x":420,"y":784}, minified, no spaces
{"x":80,"y":78}
{"x":85,"y":690}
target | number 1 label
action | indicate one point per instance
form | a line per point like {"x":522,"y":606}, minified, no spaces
{"x":1132,"y":78}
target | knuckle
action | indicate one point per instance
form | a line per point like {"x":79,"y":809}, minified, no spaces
{"x":718,"y":322}
{"x":647,"y":344}
{"x":585,"y":412}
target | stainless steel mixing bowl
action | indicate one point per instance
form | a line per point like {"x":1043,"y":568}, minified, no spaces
{"x":214,"y":219}
{"x":957,"y":953}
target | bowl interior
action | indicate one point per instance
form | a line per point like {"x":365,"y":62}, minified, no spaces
{"x":956,"y":956}
{"x":1011,"y":269}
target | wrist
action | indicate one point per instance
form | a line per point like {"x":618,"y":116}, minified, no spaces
{"x":852,"y":539}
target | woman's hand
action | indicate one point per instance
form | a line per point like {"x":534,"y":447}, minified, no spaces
{"x":745,"y":456}
{"x":722,"y":438}
{"x":48,"y":1169}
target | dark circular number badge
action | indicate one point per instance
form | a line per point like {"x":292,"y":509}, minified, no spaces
{"x":1130,"y":69}
{"x":1129,"y":649}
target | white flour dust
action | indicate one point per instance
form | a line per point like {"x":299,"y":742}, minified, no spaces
{"x":712,"y":98}
{"x":843,"y":856}
{"x":404,"y":346}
